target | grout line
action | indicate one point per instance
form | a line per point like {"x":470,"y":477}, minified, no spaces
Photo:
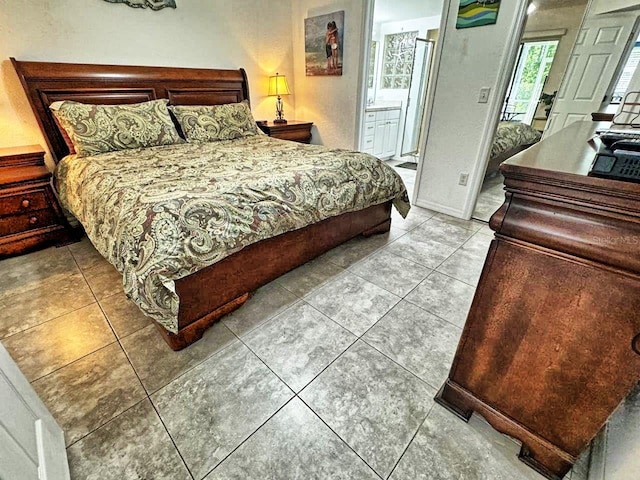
{"x":337,"y":435}
{"x":171,"y":438}
{"x":200,"y":362}
{"x":50,"y":319}
{"x":250,"y":435}
{"x":268,"y":367}
{"x":72,"y":362}
{"x":107,"y":422}
{"x":411,"y":441}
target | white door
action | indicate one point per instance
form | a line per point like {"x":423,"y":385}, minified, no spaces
{"x":602,"y":41}
{"x":31,"y":442}
{"x":417,"y":99}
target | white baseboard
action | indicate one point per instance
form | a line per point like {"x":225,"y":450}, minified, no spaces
{"x":598,"y":455}
{"x":453,"y":212}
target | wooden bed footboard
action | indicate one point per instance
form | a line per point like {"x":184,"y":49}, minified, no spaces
{"x":215,"y":291}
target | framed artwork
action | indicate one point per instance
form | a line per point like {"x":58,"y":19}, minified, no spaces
{"x":152,"y":4}
{"x":323,"y":44}
{"x":476,"y":13}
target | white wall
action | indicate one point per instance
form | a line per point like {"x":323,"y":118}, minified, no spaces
{"x":460,"y":129}
{"x":252,"y":34}
{"x":569,"y":18}
{"x":330,"y":101}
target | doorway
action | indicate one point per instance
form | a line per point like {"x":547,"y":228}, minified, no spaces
{"x":397,"y":69}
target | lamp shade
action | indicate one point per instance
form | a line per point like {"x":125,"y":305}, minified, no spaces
{"x":278,"y":85}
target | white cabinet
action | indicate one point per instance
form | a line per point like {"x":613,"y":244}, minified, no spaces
{"x":380,"y":132}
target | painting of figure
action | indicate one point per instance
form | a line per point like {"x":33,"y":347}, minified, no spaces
{"x":323,"y":42}
{"x":476,"y":13}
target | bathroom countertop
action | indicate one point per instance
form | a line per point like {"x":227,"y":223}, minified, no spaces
{"x":378,"y":106}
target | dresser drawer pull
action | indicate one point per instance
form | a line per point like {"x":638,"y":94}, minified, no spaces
{"x":635,"y":344}
{"x":33,"y":220}
{"x":25,"y":203}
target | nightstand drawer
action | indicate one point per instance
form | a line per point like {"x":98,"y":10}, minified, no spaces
{"x":27,"y":221}
{"x":29,"y":201}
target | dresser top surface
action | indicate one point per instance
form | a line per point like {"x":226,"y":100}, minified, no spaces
{"x":566,"y":157}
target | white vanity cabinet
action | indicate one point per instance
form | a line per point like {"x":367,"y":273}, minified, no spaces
{"x":380,"y":135}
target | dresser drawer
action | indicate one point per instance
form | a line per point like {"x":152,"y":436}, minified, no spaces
{"x":29,"y":201}
{"x":24,"y":222}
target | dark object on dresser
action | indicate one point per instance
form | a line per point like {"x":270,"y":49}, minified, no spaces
{"x":602,"y":117}
{"x":209,"y":294}
{"x":294,"y":130}
{"x":30,"y":217}
{"x":550,"y":347}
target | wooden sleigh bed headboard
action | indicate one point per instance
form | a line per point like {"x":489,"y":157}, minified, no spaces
{"x":46,"y":82}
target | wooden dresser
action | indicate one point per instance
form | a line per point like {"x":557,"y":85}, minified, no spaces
{"x":30,"y":216}
{"x":551,"y":345}
{"x":294,"y":130}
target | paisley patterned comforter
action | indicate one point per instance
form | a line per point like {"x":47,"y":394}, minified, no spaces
{"x":510,"y":135}
{"x":159,"y":214}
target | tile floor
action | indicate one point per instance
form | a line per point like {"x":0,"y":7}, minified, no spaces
{"x":327,"y":372}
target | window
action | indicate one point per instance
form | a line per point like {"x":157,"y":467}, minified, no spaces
{"x":397,"y":63}
{"x":531,"y":73}
{"x":627,"y":73}
{"x":372,"y":63}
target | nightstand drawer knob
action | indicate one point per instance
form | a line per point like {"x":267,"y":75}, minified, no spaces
{"x":33,"y":220}
{"x":25,"y":203}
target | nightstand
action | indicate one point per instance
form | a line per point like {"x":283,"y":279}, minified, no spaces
{"x":294,"y":130}
{"x":30,"y":217}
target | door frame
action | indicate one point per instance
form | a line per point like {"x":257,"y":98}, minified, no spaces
{"x":367,"y":32}
{"x":509,"y":58}
{"x":367,"y":29}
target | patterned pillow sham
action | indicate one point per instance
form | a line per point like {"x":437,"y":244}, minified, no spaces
{"x":95,"y":129}
{"x":212,"y":123}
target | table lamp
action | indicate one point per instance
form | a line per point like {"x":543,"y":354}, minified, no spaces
{"x":278,"y":86}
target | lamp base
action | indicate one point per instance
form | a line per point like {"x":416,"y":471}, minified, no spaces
{"x":279,"y":120}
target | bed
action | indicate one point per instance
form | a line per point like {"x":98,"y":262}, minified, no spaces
{"x":510,"y":138}
{"x":194,"y":228}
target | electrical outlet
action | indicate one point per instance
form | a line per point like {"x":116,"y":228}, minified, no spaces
{"x":464,"y":178}
{"x":484,"y":95}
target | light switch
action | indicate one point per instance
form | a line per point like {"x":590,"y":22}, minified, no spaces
{"x":484,"y":95}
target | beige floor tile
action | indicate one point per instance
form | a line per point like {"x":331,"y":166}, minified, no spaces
{"x":36,"y":306}
{"x":54,"y":344}
{"x":124,"y":316}
{"x":89,"y":392}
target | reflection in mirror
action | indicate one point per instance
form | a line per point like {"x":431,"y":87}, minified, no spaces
{"x":549,"y":35}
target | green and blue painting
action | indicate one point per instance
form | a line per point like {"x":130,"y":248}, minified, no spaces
{"x":475,"y":13}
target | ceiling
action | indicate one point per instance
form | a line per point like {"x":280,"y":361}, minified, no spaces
{"x":398,"y":10}
{"x":548,"y":4}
